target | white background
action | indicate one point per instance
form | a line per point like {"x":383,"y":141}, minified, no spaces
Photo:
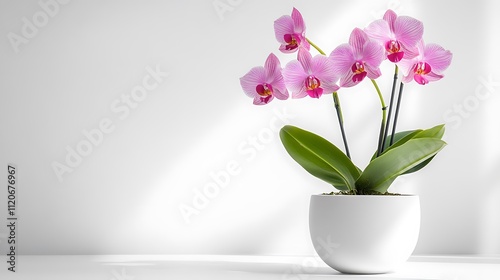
{"x":124,"y":196}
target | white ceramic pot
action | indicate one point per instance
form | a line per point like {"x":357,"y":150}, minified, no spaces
{"x":364,"y":234}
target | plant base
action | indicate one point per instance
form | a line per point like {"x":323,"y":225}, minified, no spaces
{"x":364,"y":234}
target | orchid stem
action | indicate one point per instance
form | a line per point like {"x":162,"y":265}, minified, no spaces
{"x":384,"y":117}
{"x":341,"y":122}
{"x":397,"y":112}
{"x":316,"y":47}
{"x":337,"y":106}
{"x":390,"y":109}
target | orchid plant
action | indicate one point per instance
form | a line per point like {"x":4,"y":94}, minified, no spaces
{"x":396,"y":39}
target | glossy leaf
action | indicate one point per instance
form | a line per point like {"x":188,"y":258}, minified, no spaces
{"x":402,"y":137}
{"x":319,"y":157}
{"x":433,"y":132}
{"x":399,"y":139}
{"x":382,"y":171}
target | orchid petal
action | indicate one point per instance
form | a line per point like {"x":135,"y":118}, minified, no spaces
{"x":357,"y":41}
{"x":379,"y":31}
{"x":294,"y":76}
{"x":322,"y":68}
{"x":408,"y":78}
{"x":406,"y":65}
{"x":254,"y":77}
{"x":315,"y":93}
{"x":272,"y":67}
{"x":408,"y":30}
{"x":437,"y":57}
{"x":373,"y":73}
{"x":259,"y":100}
{"x":281,"y":95}
{"x":390,"y":17}
{"x":298,"y":22}
{"x":347,"y":80}
{"x":431,"y":77}
{"x":342,"y":59}
{"x":304,"y":57}
{"x":374,"y":54}
{"x":283,"y":26}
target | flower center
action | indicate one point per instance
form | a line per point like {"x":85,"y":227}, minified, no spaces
{"x":313,"y":86}
{"x":264,"y":89}
{"x":422,"y":68}
{"x":394,"y":49}
{"x":292,"y":41}
{"x":312,"y":83}
{"x":392,"y":46}
{"x":358,"y":68}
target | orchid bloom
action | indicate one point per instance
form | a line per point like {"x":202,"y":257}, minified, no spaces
{"x":428,"y":65}
{"x":265,"y":83}
{"x":399,"y":35}
{"x":309,"y":75}
{"x":290,"y":32}
{"x":358,"y":59}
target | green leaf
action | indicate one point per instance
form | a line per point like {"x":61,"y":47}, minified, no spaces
{"x":436,"y":132}
{"x":382,"y":171}
{"x":319,"y":157}
{"x":399,"y":139}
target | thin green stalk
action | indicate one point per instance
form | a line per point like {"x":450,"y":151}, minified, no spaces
{"x":336,"y":100}
{"x":316,"y":47}
{"x":384,"y":117}
{"x":397,"y":112}
{"x":341,"y":122}
{"x":390,"y":108}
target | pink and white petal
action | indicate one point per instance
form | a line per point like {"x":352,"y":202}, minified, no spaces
{"x":282,"y":26}
{"x":298,"y":22}
{"x":379,"y":31}
{"x":373,"y":73}
{"x":301,"y":93}
{"x":346,"y":80}
{"x":390,"y":17}
{"x":305,"y":58}
{"x":279,"y":85}
{"x":431,"y":77}
{"x":406,"y":66}
{"x":329,"y":87}
{"x":342,"y":59}
{"x":284,"y":49}
{"x":304,"y":43}
{"x":437,"y":57}
{"x":408,"y":30}
{"x":294,"y":76}
{"x":408,"y":78}
{"x":357,"y":40}
{"x":410,"y":53}
{"x":259,"y":100}
{"x":322,"y":68}
{"x":373,"y":54}
{"x":253,"y":78}
{"x":281,"y":94}
{"x":272,"y":67}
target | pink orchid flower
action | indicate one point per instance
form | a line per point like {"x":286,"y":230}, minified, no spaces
{"x":309,"y":75}
{"x":265,"y":83}
{"x":358,"y":59}
{"x":428,"y":65}
{"x":290,"y":32}
{"x":399,"y":35}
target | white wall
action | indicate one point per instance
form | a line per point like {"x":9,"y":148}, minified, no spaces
{"x":74,"y":73}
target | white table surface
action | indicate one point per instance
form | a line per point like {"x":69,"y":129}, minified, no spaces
{"x":145,"y":267}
